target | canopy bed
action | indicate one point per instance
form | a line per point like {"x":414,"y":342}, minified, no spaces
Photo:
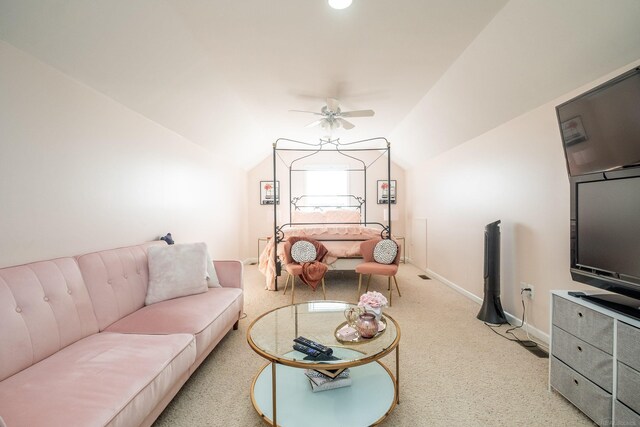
{"x":339,"y":220}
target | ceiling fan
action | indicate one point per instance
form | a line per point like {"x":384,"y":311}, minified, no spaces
{"x":333,"y":116}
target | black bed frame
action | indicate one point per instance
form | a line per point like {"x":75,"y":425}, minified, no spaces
{"x":307,"y":150}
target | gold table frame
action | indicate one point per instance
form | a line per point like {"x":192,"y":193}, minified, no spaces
{"x":275,"y":360}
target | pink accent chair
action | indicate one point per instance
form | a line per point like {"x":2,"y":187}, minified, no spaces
{"x":294,"y":269}
{"x":371,"y":267}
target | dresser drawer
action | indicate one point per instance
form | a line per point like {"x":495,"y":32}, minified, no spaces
{"x":584,"y":323}
{"x":628,"y":391}
{"x":585,"y":395}
{"x":583,"y":358}
{"x":629,"y":345}
{"x":625,"y":417}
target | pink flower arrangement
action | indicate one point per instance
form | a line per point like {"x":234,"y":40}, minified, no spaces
{"x":268,"y":187}
{"x":372,"y":299}
{"x":384,"y":185}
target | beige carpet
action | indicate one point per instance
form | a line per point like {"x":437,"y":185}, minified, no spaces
{"x":454,"y":370}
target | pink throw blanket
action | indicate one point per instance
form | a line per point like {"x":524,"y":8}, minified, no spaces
{"x":313,"y":272}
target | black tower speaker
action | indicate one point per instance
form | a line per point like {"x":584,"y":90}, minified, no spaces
{"x":491,"y":310}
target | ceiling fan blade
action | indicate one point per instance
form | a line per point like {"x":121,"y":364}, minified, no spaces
{"x":333,"y":104}
{"x":303,"y":111}
{"x":315,"y":123}
{"x":345,"y":124}
{"x":357,"y":113}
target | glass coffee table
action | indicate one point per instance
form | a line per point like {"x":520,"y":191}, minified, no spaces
{"x":281,"y":392}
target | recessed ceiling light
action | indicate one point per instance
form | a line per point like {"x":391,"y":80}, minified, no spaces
{"x":340,"y":4}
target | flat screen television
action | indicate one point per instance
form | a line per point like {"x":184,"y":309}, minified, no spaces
{"x":602,"y":149}
{"x":601,"y":128}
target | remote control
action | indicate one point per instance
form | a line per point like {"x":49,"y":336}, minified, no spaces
{"x":321,"y":358}
{"x":314,"y":345}
{"x":306,"y":350}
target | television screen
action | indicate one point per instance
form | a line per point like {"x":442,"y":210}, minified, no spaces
{"x":608,"y":227}
{"x":601,"y":128}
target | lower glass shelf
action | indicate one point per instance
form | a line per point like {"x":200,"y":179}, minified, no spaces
{"x":369,"y":399}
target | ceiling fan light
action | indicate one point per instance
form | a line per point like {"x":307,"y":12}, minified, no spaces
{"x":340,"y":4}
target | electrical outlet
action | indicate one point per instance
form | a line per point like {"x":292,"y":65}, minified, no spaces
{"x":529,"y":293}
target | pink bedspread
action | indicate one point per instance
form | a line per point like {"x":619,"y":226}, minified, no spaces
{"x":336,"y":249}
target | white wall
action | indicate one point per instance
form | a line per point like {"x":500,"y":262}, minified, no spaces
{"x":515,"y":173}
{"x":530,"y":53}
{"x":80,"y":172}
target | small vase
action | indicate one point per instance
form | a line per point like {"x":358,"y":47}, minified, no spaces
{"x":376,"y":311}
{"x":352,"y":314}
{"x":367,"y":325}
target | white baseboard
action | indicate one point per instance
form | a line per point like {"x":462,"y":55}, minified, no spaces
{"x":447,"y":282}
{"x":537,"y":333}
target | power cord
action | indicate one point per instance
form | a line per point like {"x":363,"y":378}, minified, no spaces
{"x":525,"y":343}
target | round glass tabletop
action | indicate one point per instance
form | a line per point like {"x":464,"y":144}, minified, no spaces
{"x":271,"y":335}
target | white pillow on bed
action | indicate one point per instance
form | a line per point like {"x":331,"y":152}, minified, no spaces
{"x":315,"y":217}
{"x":342,"y":215}
{"x":176,"y":271}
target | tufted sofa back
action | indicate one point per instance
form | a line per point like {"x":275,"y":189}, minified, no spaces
{"x":117,"y":281}
{"x":44,"y":307}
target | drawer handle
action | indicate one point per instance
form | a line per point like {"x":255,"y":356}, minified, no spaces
{"x":575,"y":381}
{"x":579,"y":348}
{"x":580,"y":314}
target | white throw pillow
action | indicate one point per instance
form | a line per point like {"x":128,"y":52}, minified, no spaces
{"x":303,"y":251}
{"x":176,"y":271}
{"x":212,"y":276}
{"x":385,"y":251}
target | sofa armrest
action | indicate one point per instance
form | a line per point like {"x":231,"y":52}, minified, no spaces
{"x":229,"y":273}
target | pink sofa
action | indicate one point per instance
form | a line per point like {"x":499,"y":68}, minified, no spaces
{"x":78,"y":347}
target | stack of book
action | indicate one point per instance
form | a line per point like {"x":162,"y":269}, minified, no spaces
{"x":322,"y":380}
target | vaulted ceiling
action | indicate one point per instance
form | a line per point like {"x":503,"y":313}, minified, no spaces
{"x":225,"y":73}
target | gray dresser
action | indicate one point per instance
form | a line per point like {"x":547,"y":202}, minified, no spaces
{"x":595,"y":360}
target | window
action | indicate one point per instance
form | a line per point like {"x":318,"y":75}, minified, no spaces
{"x":325,"y":183}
